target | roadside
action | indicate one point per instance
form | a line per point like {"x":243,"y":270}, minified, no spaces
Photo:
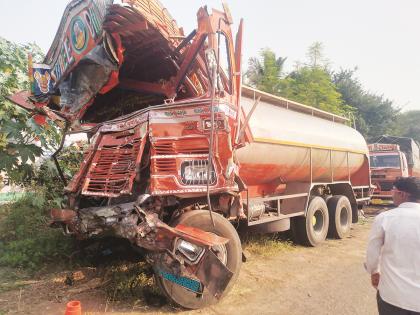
{"x":285,"y":279}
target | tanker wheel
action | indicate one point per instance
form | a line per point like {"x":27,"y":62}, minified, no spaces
{"x":312,"y":229}
{"x":230,"y":254}
{"x":340,"y":211}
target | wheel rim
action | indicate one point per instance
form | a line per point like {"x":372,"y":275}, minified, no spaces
{"x":318,"y":221}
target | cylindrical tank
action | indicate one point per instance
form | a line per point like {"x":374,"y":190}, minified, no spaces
{"x":288,"y":135}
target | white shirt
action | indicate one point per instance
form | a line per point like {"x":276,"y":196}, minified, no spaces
{"x":394,"y":251}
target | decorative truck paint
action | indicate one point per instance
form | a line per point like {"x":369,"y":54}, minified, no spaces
{"x":179,"y":149}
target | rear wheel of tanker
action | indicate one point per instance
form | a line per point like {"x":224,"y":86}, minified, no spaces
{"x":312,"y":230}
{"x":230,"y":254}
{"x":340,"y":211}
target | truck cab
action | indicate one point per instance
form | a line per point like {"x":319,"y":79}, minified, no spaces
{"x":387,"y":163}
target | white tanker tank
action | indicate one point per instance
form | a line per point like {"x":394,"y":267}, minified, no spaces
{"x":297,"y":143}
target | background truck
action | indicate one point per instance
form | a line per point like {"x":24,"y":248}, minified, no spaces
{"x":179,"y":149}
{"x":390,"y":158}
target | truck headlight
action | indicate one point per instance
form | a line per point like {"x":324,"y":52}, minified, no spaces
{"x":191,"y":251}
{"x":195,"y":172}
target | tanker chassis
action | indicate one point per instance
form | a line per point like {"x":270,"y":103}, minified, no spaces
{"x":180,"y":149}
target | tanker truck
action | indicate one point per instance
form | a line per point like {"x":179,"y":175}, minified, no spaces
{"x":391,"y":157}
{"x":180,"y":151}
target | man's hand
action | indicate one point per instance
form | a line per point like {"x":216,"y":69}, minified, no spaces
{"x":374,"y":279}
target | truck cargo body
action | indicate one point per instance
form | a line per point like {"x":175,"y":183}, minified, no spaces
{"x":390,"y":158}
{"x":180,"y":149}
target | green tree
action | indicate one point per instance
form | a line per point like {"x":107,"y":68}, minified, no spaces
{"x":265,"y":73}
{"x":311,"y":83}
{"x":313,"y":86}
{"x":375,"y":114}
{"x":408,"y":125}
{"x":18,"y":131}
{"x":316,"y":58}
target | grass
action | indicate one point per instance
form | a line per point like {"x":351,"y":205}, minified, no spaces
{"x":132,"y":282}
{"x":26,"y":240}
{"x":267,"y":245}
{"x":12,"y":279}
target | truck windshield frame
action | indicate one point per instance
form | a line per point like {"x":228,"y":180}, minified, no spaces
{"x":385,"y":161}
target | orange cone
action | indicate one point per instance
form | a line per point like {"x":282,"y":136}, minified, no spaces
{"x":73,"y":308}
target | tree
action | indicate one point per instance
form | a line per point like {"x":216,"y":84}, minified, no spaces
{"x":408,"y":125}
{"x":316,"y":58}
{"x":313,"y":86}
{"x":19,"y":134}
{"x":375,"y":115}
{"x":265,"y":73}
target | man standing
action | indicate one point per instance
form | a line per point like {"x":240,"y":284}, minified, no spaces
{"x":393,"y":253}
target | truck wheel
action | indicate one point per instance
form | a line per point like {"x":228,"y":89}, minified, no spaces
{"x":230,"y":254}
{"x":340,"y":211}
{"x":312,"y":230}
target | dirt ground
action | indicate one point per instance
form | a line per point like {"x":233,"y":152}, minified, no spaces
{"x":329,"y":279}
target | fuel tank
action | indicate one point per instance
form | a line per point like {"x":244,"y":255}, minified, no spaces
{"x":297,"y":143}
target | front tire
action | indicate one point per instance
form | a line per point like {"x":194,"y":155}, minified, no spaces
{"x":232,"y":256}
{"x":312,"y":229}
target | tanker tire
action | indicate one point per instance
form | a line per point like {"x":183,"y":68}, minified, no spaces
{"x":201,"y":219}
{"x":312,"y":229}
{"x":341,"y":213}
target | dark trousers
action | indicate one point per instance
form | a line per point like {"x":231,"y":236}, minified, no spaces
{"x":385,"y":308}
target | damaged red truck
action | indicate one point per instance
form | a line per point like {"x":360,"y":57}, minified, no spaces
{"x":179,"y":149}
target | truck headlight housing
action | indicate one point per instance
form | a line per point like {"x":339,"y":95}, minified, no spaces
{"x":195,"y":173}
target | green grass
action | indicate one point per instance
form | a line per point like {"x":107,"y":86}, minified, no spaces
{"x":267,"y":245}
{"x":12,"y":279}
{"x":26,"y":240}
{"x":132,"y":281}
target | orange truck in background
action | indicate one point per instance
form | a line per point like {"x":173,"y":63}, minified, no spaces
{"x":391,"y":158}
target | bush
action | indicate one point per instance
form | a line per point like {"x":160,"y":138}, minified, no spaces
{"x":25,"y":239}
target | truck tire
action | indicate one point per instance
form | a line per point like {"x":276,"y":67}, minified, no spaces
{"x":340,"y":211}
{"x":312,"y":229}
{"x":232,"y":257}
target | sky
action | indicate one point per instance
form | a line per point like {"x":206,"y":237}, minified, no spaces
{"x":379,"y":37}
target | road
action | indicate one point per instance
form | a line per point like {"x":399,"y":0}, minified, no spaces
{"x":329,"y":279}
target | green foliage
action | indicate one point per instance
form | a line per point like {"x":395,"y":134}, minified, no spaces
{"x":316,"y":58}
{"x":47,"y":176}
{"x":313,"y":86}
{"x":265,"y":72}
{"x":25,"y":238}
{"x":310,"y":84}
{"x":408,"y":125}
{"x":376,"y":115}
{"x":18,"y":131}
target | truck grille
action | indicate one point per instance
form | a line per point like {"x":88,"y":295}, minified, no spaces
{"x":386,"y":186}
{"x":181,"y":146}
{"x":164,"y":166}
{"x":378,"y":176}
{"x":113,"y":167}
